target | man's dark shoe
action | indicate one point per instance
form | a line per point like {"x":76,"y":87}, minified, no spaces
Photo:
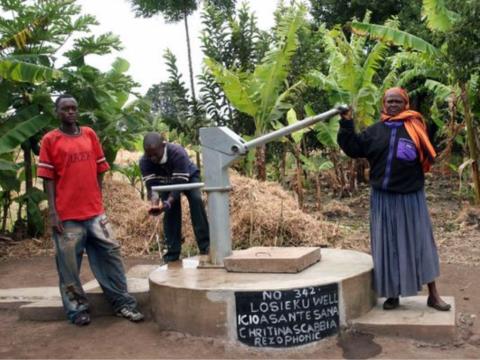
{"x":391,"y":303}
{"x":82,"y":319}
{"x":131,"y":314}
{"x":170,"y":258}
{"x":440,"y":307}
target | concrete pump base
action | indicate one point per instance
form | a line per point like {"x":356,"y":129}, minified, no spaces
{"x":217,"y":303}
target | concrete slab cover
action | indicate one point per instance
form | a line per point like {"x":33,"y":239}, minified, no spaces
{"x":272,"y":259}
{"x":413,"y":319}
{"x":336,"y":265}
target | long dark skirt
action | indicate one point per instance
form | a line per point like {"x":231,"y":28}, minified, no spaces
{"x":403,"y":248}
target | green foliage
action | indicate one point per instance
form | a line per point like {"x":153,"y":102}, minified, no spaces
{"x":292,"y":119}
{"x":461,"y":57}
{"x":101,"y":45}
{"x":22,"y":132}
{"x":437,"y":16}
{"x":327,"y":132}
{"x":316,"y":163}
{"x":134,"y":176}
{"x":170,"y":103}
{"x":340,"y":12}
{"x":259,"y":94}
{"x":103,"y":103}
{"x":14,"y":70}
{"x":335,"y":12}
{"x":29,"y":41}
{"x":390,"y":35}
{"x":463,"y":40}
{"x":32,"y":199}
{"x":6,"y":165}
{"x":351,"y":77}
{"x":176,"y":10}
{"x":236,"y":43}
{"x":264,"y":94}
{"x":172,"y":10}
{"x":235,"y":86}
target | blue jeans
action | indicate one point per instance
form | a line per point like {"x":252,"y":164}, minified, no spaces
{"x":96,"y":237}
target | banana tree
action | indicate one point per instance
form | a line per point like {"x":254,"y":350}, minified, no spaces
{"x":316,"y":163}
{"x":236,"y":42}
{"x":461,"y":56}
{"x":412,"y":67}
{"x":262,"y":94}
{"x":293,"y":142}
{"x":23,"y":71}
{"x":351,"y":76}
{"x":29,"y":44}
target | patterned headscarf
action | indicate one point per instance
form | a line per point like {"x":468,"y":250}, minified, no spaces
{"x":415,"y":126}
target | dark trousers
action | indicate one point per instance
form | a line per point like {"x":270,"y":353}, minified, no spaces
{"x":172,"y":224}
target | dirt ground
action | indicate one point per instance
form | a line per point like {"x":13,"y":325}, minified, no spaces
{"x":457,"y":232}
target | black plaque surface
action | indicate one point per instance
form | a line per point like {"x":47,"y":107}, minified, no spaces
{"x":285,"y":318}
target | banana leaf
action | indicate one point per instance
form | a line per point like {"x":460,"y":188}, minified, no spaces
{"x":22,"y":132}
{"x":20,"y":71}
{"x":395,"y":36}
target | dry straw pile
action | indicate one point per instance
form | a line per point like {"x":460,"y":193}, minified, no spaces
{"x":261,"y":214}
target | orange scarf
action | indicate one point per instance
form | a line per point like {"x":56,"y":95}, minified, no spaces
{"x":416,"y":128}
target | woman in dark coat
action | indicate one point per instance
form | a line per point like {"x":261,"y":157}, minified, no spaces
{"x":399,"y":152}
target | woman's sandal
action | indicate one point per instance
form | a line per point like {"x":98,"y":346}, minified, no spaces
{"x":433,"y":304}
{"x":391,"y":303}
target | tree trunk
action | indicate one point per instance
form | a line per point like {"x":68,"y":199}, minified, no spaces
{"x":260,"y":163}
{"x":299,"y":188}
{"x":452,"y":132}
{"x":318,"y":192}
{"x":361,"y":166}
{"x":283,"y":166}
{"x":190,"y":67}
{"x":472,"y":142}
{"x":339,"y":174}
{"x":27,"y":156}
{"x":6,"y":205}
{"x":352,"y":177}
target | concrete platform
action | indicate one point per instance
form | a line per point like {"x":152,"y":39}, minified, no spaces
{"x":29,"y":294}
{"x":263,"y":259}
{"x":413,"y":319}
{"x":49,"y":306}
{"x":205,"y":302}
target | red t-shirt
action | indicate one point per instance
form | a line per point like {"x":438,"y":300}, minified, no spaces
{"x":73,"y":162}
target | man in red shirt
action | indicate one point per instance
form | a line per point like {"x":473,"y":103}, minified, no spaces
{"x":71,"y":164}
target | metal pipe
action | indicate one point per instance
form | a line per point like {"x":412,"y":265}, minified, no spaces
{"x":178,"y":187}
{"x":219,"y":219}
{"x":294,"y":127}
